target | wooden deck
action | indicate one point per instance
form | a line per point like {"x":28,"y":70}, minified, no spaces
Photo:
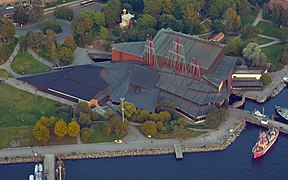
{"x":49,"y":166}
{"x":178,"y":151}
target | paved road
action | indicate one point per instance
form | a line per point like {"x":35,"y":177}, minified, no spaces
{"x":213,"y":137}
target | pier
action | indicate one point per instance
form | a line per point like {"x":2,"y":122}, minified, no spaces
{"x":264,"y":122}
{"x":49,"y":166}
{"x":178,"y":151}
{"x":239,"y":103}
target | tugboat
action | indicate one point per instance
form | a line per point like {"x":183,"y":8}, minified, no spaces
{"x":283,"y":112}
{"x":60,"y":169}
{"x":265,"y":142}
{"x":259,"y":114}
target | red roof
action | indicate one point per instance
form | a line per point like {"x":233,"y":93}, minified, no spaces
{"x":284,"y":3}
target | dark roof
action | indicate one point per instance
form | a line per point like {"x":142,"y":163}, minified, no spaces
{"x":7,"y":11}
{"x":134,"y":48}
{"x":204,"y":51}
{"x":82,"y":82}
{"x":144,"y":77}
{"x":238,"y":83}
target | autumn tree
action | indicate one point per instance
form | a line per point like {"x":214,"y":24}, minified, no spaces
{"x":41,"y":132}
{"x":234,"y":46}
{"x":106,"y":129}
{"x":160,"y":126}
{"x":73,"y":128}
{"x":7,"y":30}
{"x":48,"y":122}
{"x":149,"y":128}
{"x":129,"y":109}
{"x":4,"y":53}
{"x":144,"y":115}
{"x":165,"y":116}
{"x":66,"y":55}
{"x":266,"y":79}
{"x":50,"y":41}
{"x":86,"y":134}
{"x":232,"y":20}
{"x":112,"y":11}
{"x":191,"y":15}
{"x":119,"y":127}
{"x":36,"y":12}
{"x":70,"y":42}
{"x":60,"y":128}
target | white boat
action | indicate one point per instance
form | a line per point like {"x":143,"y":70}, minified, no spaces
{"x":38,"y":171}
{"x":31,"y":177}
{"x":259,"y":114}
{"x":264,"y":121}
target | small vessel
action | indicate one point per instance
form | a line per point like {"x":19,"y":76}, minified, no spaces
{"x":31,"y":177}
{"x":60,"y":171}
{"x":38,"y":171}
{"x":259,"y":114}
{"x":283,"y":112}
{"x":265,"y":142}
{"x":285,"y":79}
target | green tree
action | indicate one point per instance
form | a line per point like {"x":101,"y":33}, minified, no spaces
{"x":73,"y":128}
{"x":180,"y":132}
{"x":215,"y":117}
{"x":112,"y":11}
{"x":103,"y":33}
{"x":36,"y":12}
{"x":63,"y":12}
{"x":165,"y":116}
{"x":54,"y":54}
{"x":4,"y":53}
{"x":146,"y":21}
{"x":120,"y":128}
{"x":84,"y":119}
{"x":149,"y":128}
{"x":266,"y":78}
{"x":7,"y":30}
{"x":82,"y":24}
{"x":129,"y":109}
{"x":244,"y":7}
{"x":86,"y":134}
{"x":152,"y":7}
{"x":51,"y":24}
{"x":82,"y":107}
{"x":265,"y":11}
{"x":106,"y":131}
{"x":60,"y":128}
{"x":284,"y":34}
{"x":159,"y":126}
{"x":251,"y":31}
{"x":50,"y":40}
{"x":232,"y":20}
{"x":217,"y":8}
{"x":252,"y":51}
{"x":191,"y":15}
{"x":66,"y":55}
{"x":41,"y":132}
{"x":166,"y":21}
{"x":234,"y":46}
{"x":144,"y":115}
{"x":154,"y":117}
{"x":94,"y":116}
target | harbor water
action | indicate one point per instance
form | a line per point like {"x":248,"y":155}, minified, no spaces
{"x":236,"y":162}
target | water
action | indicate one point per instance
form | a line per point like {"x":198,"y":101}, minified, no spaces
{"x":235,"y":162}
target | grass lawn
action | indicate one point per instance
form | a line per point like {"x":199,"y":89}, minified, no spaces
{"x":269,"y":29}
{"x":247,"y":20}
{"x":24,"y":62}
{"x":273,"y":53}
{"x":43,"y":54}
{"x":20,"y":108}
{"x":98,"y":137}
{"x":4,"y":73}
{"x":258,"y":40}
{"x":24,"y":136}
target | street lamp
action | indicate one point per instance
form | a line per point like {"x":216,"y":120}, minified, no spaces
{"x":149,"y":136}
{"x":122,"y":107}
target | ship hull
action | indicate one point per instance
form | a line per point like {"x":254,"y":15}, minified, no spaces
{"x":261,"y":153}
{"x":278,"y":108}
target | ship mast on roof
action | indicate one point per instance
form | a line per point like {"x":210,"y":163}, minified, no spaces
{"x":149,"y":53}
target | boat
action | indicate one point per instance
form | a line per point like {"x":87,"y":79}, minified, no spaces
{"x":259,"y":114}
{"x":38,"y":171}
{"x":283,"y":112}
{"x":265,"y":142}
{"x":60,"y":171}
{"x":31,"y":177}
{"x":285,"y":79}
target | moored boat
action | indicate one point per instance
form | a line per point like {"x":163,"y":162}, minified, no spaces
{"x":38,"y":171}
{"x":259,"y":114}
{"x":265,"y":142}
{"x":283,"y":112}
{"x":60,"y":171}
{"x":31,"y":177}
{"x":285,"y":79}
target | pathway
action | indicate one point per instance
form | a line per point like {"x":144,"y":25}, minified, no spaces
{"x":211,"y":138}
{"x":7,"y":64}
{"x":40,"y":59}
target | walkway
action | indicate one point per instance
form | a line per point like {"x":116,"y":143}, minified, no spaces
{"x":7,"y":64}
{"x":211,"y":138}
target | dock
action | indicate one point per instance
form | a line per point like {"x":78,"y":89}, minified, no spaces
{"x":49,"y":166}
{"x":239,"y":103}
{"x":178,"y":151}
{"x":269,"y":123}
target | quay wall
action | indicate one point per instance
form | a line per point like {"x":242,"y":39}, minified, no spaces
{"x":136,"y":152}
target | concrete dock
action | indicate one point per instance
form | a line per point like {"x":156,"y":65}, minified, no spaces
{"x":178,"y":151}
{"x":49,"y":166}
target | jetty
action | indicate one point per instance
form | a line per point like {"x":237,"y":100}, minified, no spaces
{"x":265,"y":122}
{"x":49,"y":166}
{"x":178,"y":151}
{"x":239,"y":103}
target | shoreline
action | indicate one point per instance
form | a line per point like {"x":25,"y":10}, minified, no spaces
{"x":136,"y":152}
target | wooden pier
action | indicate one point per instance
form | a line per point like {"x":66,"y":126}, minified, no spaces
{"x":264,"y":122}
{"x":49,"y":166}
{"x":178,"y":151}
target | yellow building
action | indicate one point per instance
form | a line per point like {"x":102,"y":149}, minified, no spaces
{"x":125,"y":19}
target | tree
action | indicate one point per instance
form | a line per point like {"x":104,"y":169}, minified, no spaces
{"x":82,"y":24}
{"x":70,"y":42}
{"x":191,"y":14}
{"x":7,"y":30}
{"x":232,"y":20}
{"x":244,"y":7}
{"x":166,"y":21}
{"x":51,"y":24}
{"x":84,"y":119}
{"x":60,"y":128}
{"x":234,"y":46}
{"x":106,"y":131}
{"x":217,"y":8}
{"x":94,"y":116}
{"x":66,"y":55}
{"x":218,"y":25}
{"x":149,"y":128}
{"x":41,"y":132}
{"x":180,"y":132}
{"x":103,"y":33}
{"x":50,"y":40}
{"x":152,"y":7}
{"x":165,"y":116}
{"x":266,"y":78}
{"x":82,"y":107}
{"x":4,"y":53}
{"x":265,"y":11}
{"x":284,"y":55}
{"x":146,"y":21}
{"x":154,"y":117}
{"x":252,"y":51}
{"x":86,"y":134}
{"x":129,"y":109}
{"x":119,"y":127}
{"x":63,"y":12}
{"x":144,"y":115}
{"x":111,"y":10}
{"x":159,"y":126}
{"x":73,"y":128}
{"x":54,"y":54}
{"x":48,"y":122}
{"x":36,"y":12}
{"x":215,"y":117}
{"x":21,"y":15}
{"x":284,"y":34}
{"x":251,"y":31}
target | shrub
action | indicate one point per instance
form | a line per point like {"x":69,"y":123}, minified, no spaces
{"x":86,"y":134}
